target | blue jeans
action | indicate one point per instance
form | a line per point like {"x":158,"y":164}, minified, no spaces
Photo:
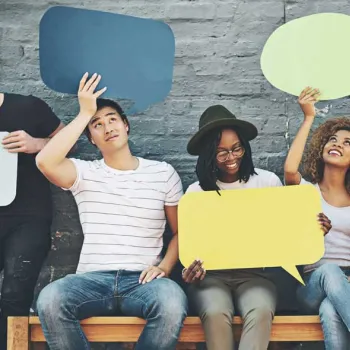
{"x":64,"y":302}
{"x":327,"y":292}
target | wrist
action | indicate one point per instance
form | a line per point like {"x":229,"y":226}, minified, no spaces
{"x":308,"y":119}
{"x":40,"y":144}
{"x":165,"y":269}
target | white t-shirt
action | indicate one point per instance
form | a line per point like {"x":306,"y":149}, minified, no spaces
{"x":122,"y":213}
{"x":337,"y":240}
{"x":263,"y":179}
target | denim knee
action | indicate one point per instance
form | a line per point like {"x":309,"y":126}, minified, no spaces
{"x":327,"y":311}
{"x":51,"y":299}
{"x":330,"y":275}
{"x":171,"y":303}
{"x":330,"y":271}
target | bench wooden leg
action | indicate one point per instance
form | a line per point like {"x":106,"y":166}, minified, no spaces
{"x":18,"y":333}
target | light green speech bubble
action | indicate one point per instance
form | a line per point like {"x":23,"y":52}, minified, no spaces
{"x":310,"y":51}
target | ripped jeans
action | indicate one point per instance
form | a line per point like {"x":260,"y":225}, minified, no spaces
{"x":24,"y":244}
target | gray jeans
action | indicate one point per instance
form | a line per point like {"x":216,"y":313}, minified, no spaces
{"x":254,"y":296}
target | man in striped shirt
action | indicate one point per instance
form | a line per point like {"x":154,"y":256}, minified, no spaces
{"x":123,"y":204}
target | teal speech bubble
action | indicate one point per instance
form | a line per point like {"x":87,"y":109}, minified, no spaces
{"x":310,"y":51}
{"x":135,"y":56}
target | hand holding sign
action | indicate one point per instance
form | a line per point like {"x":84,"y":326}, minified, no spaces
{"x":21,"y":142}
{"x":87,"y":95}
{"x":263,"y":227}
{"x":195,"y":272}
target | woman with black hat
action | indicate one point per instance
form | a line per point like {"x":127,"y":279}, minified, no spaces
{"x":225,"y":163}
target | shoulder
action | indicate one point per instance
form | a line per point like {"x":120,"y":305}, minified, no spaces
{"x":262,"y":173}
{"x":266,"y":178}
{"x":155,"y":164}
{"x":35,"y":105}
{"x":195,"y":187}
{"x":23,"y":99}
{"x":81,"y":164}
{"x":157,"y":167}
{"x":33,"y":100}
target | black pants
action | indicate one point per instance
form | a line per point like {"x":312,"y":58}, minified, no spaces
{"x":24,"y":244}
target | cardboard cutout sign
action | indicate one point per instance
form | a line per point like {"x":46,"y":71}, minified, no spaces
{"x":134,"y":56}
{"x":250,"y":228}
{"x":8,"y":174}
{"x":310,"y":51}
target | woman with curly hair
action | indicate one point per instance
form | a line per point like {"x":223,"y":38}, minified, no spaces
{"x":327,"y":166}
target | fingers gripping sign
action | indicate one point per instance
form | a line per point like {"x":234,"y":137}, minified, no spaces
{"x":20,"y":142}
{"x":195,"y":272}
{"x":325,"y":223}
{"x":307,"y":100}
{"x":87,"y":95}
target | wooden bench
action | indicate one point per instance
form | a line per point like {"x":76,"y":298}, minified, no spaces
{"x":24,"y":331}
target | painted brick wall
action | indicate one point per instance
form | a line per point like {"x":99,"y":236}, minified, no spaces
{"x":218,"y":47}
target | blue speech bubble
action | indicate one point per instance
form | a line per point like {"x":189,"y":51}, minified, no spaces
{"x":135,"y":56}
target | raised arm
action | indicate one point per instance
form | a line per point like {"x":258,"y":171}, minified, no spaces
{"x":307,"y":100}
{"x":52,"y":160}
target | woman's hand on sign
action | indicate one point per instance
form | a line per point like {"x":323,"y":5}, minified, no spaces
{"x":194,"y":273}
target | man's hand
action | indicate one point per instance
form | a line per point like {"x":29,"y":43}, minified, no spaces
{"x":151,"y":273}
{"x":87,"y":95}
{"x":195,"y":272}
{"x":325,"y":223}
{"x":307,"y":100}
{"x":21,"y":142}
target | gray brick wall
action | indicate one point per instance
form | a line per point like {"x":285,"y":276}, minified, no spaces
{"x":218,"y":47}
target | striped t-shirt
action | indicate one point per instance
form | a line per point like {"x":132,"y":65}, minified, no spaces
{"x":122,"y":213}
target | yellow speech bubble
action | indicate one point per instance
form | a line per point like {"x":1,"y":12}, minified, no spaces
{"x":310,"y":51}
{"x":250,"y":228}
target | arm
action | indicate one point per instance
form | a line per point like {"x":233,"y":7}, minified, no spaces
{"x":46,"y":125}
{"x":167,"y":264}
{"x":307,"y":100}
{"x":52,"y":160}
{"x":172,"y":254}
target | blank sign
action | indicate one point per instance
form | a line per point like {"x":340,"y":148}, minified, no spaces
{"x":291,"y":60}
{"x":250,"y":228}
{"x":8,"y":174}
{"x":135,"y":56}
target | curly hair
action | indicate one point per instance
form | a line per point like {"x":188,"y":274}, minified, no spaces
{"x":313,"y":165}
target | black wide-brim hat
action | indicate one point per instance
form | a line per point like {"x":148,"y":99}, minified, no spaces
{"x":216,"y":117}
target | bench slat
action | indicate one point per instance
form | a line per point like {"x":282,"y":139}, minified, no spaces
{"x":33,"y":320}
{"x":128,"y":329}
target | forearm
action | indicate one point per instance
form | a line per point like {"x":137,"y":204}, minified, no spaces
{"x":57,"y":148}
{"x":171,"y":256}
{"x":296,"y":151}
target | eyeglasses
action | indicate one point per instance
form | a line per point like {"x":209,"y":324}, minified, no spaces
{"x":237,"y":152}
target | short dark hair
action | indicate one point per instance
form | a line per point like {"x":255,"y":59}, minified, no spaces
{"x":102,"y":103}
{"x":207,"y":169}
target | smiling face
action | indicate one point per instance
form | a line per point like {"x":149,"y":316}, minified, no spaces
{"x":108,"y":130}
{"x":229,"y":155}
{"x":336,"y":151}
